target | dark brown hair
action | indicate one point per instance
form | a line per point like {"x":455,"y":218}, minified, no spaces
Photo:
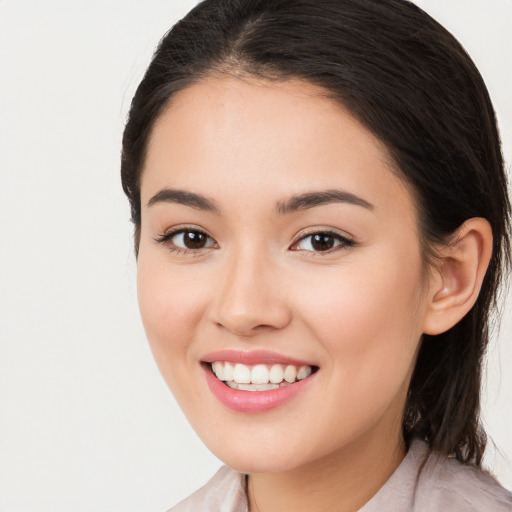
{"x":407,"y":80}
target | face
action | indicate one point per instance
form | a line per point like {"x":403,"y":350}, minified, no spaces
{"x":275,"y":238}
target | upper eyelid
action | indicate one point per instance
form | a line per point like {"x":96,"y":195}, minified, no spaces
{"x":328,"y":231}
{"x":183,"y":229}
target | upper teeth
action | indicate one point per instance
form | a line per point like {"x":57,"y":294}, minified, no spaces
{"x":259,"y":373}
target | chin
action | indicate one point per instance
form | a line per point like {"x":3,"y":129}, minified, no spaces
{"x":249,"y":463}
{"x":254,"y":454}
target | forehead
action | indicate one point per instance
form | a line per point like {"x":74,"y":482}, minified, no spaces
{"x":272,"y":138}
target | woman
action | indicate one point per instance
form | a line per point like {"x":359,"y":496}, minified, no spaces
{"x":322,"y":224}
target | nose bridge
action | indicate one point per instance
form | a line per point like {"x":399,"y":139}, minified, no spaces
{"x":250,"y":296}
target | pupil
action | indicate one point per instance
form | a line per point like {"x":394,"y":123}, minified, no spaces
{"x":194,"y":240}
{"x":322,"y":242}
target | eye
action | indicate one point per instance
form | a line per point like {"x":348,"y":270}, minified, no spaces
{"x":322,"y":241}
{"x":185,"y":239}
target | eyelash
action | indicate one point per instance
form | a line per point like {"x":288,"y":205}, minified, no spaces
{"x":343,"y":242}
{"x":165,"y":239}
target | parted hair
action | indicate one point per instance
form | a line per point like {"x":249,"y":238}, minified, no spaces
{"x":408,"y":81}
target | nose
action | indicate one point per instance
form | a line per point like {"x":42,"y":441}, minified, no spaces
{"x":251,"y":298}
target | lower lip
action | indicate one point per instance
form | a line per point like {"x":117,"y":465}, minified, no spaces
{"x":253,"y":401}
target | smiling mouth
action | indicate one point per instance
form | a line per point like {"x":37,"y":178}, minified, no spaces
{"x":259,"y":377}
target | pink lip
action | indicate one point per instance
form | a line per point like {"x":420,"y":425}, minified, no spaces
{"x":253,"y":401}
{"x":252,"y":357}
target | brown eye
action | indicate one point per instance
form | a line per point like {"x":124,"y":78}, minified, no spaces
{"x":322,"y":242}
{"x":187,"y":240}
{"x":194,"y":239}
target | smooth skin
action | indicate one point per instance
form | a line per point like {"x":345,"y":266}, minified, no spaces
{"x":256,"y":279}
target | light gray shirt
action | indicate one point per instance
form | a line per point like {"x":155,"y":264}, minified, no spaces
{"x":425,"y":481}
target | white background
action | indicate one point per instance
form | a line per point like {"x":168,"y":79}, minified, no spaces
{"x":86,"y":422}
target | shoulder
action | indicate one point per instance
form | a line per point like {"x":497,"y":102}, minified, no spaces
{"x":224,"y":491}
{"x":429,"y":481}
{"x":446,"y":484}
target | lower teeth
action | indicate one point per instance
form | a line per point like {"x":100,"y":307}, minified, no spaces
{"x":256,"y":387}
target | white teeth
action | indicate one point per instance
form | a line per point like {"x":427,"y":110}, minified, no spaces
{"x":242,"y":374}
{"x":229,"y":371}
{"x":259,"y":374}
{"x":303,"y":372}
{"x":259,"y":377}
{"x":252,"y":387}
{"x":218,"y":369}
{"x":276,"y":374}
{"x":290,"y":373}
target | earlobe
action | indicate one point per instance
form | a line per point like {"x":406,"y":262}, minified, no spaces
{"x":457,"y":279}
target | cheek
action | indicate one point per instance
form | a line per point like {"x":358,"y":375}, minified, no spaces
{"x":171,"y":307}
{"x":368,"y":319}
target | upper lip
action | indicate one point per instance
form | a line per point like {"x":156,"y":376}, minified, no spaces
{"x":251,"y":357}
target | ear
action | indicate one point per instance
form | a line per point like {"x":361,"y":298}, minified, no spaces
{"x":456,"y":280}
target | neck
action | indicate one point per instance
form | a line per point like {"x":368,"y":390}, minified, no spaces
{"x":343,"y":481}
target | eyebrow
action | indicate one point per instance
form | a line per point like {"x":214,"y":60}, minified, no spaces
{"x":197,"y":201}
{"x":311,"y":199}
{"x":294,"y":204}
